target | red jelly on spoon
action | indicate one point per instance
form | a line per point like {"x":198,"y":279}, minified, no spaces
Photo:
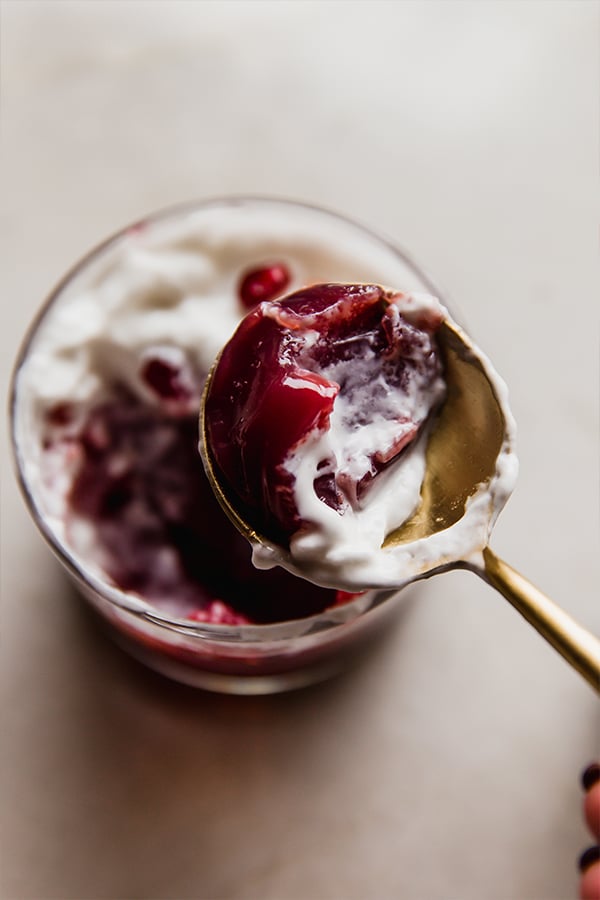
{"x":316,"y":395}
{"x":346,"y":373}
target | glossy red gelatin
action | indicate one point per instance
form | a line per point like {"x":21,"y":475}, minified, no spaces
{"x":277,"y":381}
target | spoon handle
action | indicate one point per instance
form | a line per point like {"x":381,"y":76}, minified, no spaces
{"x":579,"y":647}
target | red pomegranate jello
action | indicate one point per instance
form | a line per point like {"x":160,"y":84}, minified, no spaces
{"x":106,"y":398}
{"x":317,"y":393}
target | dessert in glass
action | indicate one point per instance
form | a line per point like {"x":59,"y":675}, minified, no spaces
{"x":105,"y":402}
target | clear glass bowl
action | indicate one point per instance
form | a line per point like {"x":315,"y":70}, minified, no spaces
{"x":243,"y":659}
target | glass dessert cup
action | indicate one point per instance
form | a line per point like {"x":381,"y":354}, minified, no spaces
{"x":243,"y":658}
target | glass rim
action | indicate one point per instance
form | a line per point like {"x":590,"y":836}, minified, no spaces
{"x":327,"y":619}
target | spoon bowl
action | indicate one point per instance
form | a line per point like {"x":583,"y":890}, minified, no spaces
{"x":464,"y":447}
{"x":470,"y":472}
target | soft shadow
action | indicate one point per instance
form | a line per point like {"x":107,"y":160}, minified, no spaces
{"x":156,"y":784}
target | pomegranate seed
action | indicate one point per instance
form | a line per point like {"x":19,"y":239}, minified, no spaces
{"x":164,"y":379}
{"x":265,"y":283}
{"x":60,"y":414}
{"x":342,"y":597}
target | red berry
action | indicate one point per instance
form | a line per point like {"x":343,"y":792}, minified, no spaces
{"x":60,"y":414}
{"x":165,"y":379}
{"x":263,"y":284}
{"x":342,"y":597}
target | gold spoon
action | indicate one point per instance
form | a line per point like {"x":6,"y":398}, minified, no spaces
{"x":461,"y":458}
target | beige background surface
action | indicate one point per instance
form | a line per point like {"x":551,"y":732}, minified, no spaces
{"x":447,"y":765}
